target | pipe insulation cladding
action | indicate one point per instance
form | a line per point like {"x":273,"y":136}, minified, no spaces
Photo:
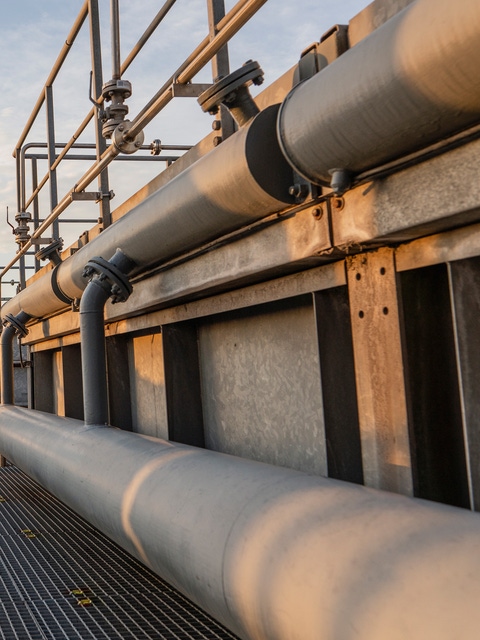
{"x":412,"y":82}
{"x":273,"y":554}
{"x":240,"y":181}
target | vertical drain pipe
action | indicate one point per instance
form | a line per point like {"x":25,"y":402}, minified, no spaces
{"x":107,"y":279}
{"x":14,"y":325}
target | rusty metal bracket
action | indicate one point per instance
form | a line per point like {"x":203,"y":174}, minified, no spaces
{"x":320,"y":54}
{"x":91,"y":195}
{"x":189,"y":89}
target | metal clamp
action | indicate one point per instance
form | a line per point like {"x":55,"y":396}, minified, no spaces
{"x":109,"y":277}
{"x":11,"y":321}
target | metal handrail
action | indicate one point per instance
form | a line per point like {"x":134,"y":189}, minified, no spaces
{"x":53,"y":73}
{"x":228,"y":26}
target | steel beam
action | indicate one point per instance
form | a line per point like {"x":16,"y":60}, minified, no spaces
{"x":379,"y":371}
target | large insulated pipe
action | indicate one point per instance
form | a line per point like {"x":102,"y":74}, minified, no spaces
{"x":242,"y":180}
{"x":13,"y":326}
{"x":107,"y":279}
{"x":272,"y":553}
{"x":412,"y":82}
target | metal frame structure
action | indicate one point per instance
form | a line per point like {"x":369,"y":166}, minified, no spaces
{"x":306,"y":310}
{"x":222,"y":27}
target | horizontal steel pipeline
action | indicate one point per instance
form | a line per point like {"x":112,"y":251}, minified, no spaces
{"x":412,"y":82}
{"x":272,"y":553}
{"x":242,"y":180}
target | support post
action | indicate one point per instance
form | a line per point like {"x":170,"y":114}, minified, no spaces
{"x":379,"y":372}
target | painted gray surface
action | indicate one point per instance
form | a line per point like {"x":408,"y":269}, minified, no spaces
{"x":395,"y":92}
{"x":435,"y":195}
{"x":271,"y":553}
{"x":261,"y":387}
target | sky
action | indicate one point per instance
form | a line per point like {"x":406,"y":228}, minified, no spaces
{"x":32,"y":33}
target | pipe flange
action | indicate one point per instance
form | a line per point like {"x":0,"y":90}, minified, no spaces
{"x":120,"y":287}
{"x":121,"y":141}
{"x":51,"y":252}
{"x":117,"y":88}
{"x":224,"y":91}
{"x":11,"y":321}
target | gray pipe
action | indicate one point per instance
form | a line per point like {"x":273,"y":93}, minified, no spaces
{"x":14,"y":326}
{"x":244,"y":179}
{"x":272,"y":553}
{"x":92,"y":334}
{"x":410,"y":83}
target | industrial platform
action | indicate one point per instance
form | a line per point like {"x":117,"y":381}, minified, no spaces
{"x":61,"y":578}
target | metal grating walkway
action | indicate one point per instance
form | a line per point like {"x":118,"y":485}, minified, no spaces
{"x":61,"y":578}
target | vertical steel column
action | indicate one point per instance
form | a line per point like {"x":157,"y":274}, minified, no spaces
{"x":36,"y":216}
{"x":51,"y":156}
{"x":97,"y":83}
{"x":115,"y":26}
{"x":379,"y":371}
{"x":220,"y":63}
{"x":22,"y":275}
{"x":20,"y":207}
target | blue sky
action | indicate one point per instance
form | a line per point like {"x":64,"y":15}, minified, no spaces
{"x":32,"y":33}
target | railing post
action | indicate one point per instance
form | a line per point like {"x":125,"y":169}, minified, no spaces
{"x":97,"y":83}
{"x":52,"y":173}
{"x":220,"y":64}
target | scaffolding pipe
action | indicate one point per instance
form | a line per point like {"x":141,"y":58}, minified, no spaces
{"x":272,"y":553}
{"x":244,"y":179}
{"x":233,"y":21}
{"x":74,"y":31}
{"x":147,"y":34}
{"x":115,"y":26}
{"x":393,"y":93}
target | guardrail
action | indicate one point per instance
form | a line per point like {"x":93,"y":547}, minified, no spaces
{"x":126,"y":137}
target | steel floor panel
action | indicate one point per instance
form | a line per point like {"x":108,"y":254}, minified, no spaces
{"x":60,"y":578}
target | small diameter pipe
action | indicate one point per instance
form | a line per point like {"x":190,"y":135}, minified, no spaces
{"x":8,"y":334}
{"x":92,"y":336}
{"x":115,"y":20}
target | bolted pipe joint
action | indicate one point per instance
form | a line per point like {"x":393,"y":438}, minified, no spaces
{"x":110,"y":276}
{"x":13,"y":326}
{"x":22,"y":235}
{"x":51,"y":252}
{"x":107,"y":279}
{"x":233,"y":92}
{"x":115,"y":126}
{"x":116,"y":92}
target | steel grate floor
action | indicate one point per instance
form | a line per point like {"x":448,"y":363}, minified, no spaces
{"x":61,"y":578}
